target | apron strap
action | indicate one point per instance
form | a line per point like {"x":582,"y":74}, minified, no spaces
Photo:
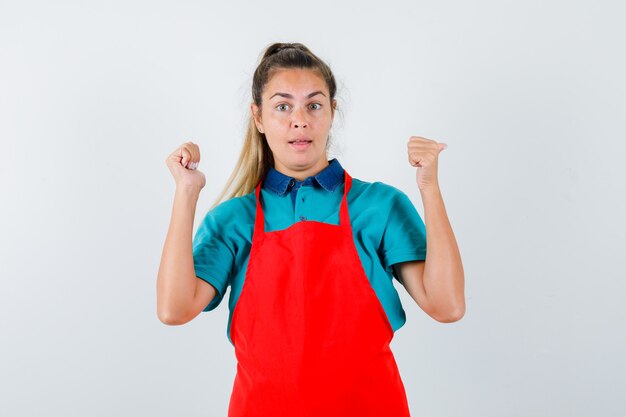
{"x":259,"y":223}
{"x":344,"y":217}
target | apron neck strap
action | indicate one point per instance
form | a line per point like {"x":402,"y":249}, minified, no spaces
{"x":344,"y":217}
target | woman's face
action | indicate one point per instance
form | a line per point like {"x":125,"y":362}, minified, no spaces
{"x":296,"y":106}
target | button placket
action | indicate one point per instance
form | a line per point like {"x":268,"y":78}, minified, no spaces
{"x":300,"y":208}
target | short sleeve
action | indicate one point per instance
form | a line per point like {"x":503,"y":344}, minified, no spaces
{"x":404,"y":236}
{"x":213,"y":259}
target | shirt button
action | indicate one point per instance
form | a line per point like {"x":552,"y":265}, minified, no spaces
{"x":302,"y":218}
{"x":292,"y":182}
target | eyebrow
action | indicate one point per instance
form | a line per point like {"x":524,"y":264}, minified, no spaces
{"x":290,"y":96}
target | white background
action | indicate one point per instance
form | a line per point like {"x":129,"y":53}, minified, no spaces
{"x":529,"y":97}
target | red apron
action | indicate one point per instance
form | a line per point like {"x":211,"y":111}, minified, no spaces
{"x":310,"y":335}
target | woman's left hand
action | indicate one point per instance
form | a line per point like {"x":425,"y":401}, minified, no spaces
{"x":424,"y":154}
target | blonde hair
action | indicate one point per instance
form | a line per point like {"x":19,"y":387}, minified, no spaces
{"x":256,"y":157}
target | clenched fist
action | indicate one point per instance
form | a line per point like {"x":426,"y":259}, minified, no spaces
{"x":424,"y":154}
{"x":183,"y":164}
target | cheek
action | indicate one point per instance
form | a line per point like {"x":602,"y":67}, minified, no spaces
{"x":277,"y":123}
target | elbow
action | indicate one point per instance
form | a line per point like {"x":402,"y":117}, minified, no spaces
{"x":450,"y":315}
{"x":168,"y":320}
{"x":171,"y":317}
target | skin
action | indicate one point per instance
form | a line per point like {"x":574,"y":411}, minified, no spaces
{"x":436,"y":283}
{"x":283,"y":118}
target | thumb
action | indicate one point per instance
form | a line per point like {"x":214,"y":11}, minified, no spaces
{"x":442,"y":146}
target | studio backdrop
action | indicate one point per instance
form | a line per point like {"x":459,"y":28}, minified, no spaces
{"x":528,"y":96}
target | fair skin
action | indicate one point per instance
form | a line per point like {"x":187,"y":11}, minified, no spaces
{"x":296,"y":105}
{"x":437,"y":284}
{"x":181,"y":296}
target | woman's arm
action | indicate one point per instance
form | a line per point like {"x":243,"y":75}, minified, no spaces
{"x":436,"y":284}
{"x":181,"y":296}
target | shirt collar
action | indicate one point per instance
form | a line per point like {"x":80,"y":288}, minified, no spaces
{"x":329,"y":178}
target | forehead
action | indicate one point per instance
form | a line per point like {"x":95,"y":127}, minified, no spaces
{"x":295,"y":81}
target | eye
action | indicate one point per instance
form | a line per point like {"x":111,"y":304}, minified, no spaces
{"x":283,"y":105}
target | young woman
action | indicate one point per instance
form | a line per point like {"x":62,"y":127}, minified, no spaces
{"x":309,"y":254}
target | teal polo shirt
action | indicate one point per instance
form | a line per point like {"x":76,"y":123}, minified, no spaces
{"x":387,"y":229}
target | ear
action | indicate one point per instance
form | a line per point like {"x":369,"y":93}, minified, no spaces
{"x":334,"y":109}
{"x":257,"y":119}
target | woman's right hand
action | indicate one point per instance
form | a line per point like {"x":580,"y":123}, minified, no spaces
{"x":183,"y":164}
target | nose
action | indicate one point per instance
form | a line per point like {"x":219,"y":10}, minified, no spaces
{"x":299,"y":118}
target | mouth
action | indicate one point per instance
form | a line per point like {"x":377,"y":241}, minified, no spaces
{"x":300,"y":143}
